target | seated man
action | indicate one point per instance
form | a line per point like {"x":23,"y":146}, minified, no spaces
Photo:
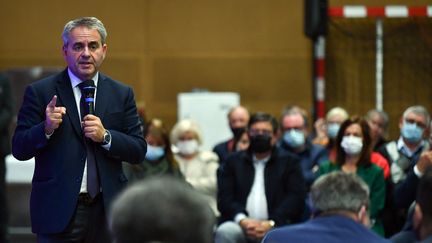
{"x":295,"y":140}
{"x":161,"y":209}
{"x":419,"y":223}
{"x":408,"y":161}
{"x":341,"y":201}
{"x":259,"y":188}
{"x":422,"y":218}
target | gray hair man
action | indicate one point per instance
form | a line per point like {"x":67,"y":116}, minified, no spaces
{"x":341,"y":201}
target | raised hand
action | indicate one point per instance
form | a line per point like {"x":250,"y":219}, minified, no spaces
{"x":424,"y":161}
{"x":53,"y":116}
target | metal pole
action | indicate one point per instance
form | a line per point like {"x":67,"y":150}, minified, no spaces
{"x":319,"y":73}
{"x":379,"y":64}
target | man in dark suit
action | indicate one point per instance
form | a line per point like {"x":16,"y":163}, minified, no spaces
{"x":340,"y":200}
{"x":77,"y":160}
{"x":260,"y":188}
{"x":6,"y":114}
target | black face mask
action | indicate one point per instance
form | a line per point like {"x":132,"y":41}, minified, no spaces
{"x":260,"y":143}
{"x":237,"y":132}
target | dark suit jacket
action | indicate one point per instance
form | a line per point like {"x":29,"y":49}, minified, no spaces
{"x":284,"y":186}
{"x":222,"y":150}
{"x":59,"y":161}
{"x":324,"y":229}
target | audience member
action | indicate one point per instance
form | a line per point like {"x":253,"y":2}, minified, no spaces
{"x":238,"y":118}
{"x":341,"y":203}
{"x":419,"y":221}
{"x":378,"y":121}
{"x":260,"y":188}
{"x":161,"y":209}
{"x":295,"y":140}
{"x":242,"y":142}
{"x":430,"y":133}
{"x":353,"y":156}
{"x":408,"y":156}
{"x":326,"y":131}
{"x":6,"y":114}
{"x":422,"y":218}
{"x":198,"y":167}
{"x":159,"y":159}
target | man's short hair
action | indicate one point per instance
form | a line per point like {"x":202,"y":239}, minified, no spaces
{"x":295,"y":110}
{"x":264,"y":117}
{"x":89,"y":22}
{"x":161,"y":209}
{"x":339,"y":191}
{"x":418,"y":110}
{"x":382,"y":114}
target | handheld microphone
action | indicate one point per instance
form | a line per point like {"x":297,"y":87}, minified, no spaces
{"x":88,"y":89}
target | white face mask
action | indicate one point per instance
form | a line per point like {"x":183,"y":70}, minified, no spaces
{"x":187,"y":147}
{"x":352,"y":145}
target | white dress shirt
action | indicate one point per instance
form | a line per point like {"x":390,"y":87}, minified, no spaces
{"x":256,"y":204}
{"x":75,"y":81}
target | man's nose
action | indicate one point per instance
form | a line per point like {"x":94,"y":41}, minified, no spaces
{"x":86,"y":52}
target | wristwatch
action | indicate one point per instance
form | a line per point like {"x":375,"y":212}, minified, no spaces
{"x":106,"y":138}
{"x":272,"y":223}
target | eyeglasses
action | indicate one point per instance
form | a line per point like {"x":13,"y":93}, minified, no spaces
{"x":412,"y":121}
{"x":254,"y":132}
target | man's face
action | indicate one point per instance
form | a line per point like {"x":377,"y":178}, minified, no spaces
{"x":376,"y":123}
{"x":239,"y":118}
{"x":84,"y":52}
{"x":295,"y":121}
{"x":419,"y":120}
{"x":262,"y":128}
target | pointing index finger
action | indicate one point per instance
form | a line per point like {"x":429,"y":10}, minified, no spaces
{"x":53,"y":102}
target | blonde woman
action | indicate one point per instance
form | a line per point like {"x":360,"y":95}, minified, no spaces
{"x":197,"y":166}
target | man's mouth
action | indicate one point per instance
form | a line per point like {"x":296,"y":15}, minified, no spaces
{"x":85,"y":64}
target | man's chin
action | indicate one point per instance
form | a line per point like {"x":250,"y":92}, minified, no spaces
{"x":87,"y":74}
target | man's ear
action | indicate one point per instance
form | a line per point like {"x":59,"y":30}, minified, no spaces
{"x":363,"y":216}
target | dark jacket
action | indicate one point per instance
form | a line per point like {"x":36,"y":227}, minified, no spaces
{"x":59,"y":160}
{"x":284,"y":186}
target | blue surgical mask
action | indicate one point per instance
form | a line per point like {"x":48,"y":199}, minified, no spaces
{"x":294,"y":137}
{"x":154,"y":153}
{"x":411,"y":132}
{"x":333,"y":129}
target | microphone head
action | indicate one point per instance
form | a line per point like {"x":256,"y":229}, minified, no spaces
{"x":88,"y":88}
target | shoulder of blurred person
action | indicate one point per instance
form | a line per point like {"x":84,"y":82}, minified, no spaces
{"x":222,"y":150}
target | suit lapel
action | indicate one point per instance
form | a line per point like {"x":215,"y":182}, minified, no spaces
{"x":66,"y":97}
{"x":102,"y":97}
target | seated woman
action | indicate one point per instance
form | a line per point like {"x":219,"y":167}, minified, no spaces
{"x":159,"y":159}
{"x":198,"y":167}
{"x":353,"y":156}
